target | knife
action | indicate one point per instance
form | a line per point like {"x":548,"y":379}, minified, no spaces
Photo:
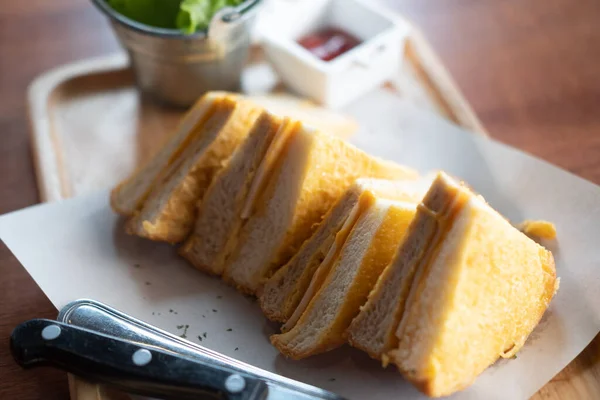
{"x":101,"y":344}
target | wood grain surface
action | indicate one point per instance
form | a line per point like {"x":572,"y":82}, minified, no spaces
{"x":529,"y":68}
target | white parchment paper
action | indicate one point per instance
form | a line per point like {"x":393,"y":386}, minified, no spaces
{"x":77,"y":248}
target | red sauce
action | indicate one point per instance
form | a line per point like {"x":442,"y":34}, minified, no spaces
{"x":329,"y":43}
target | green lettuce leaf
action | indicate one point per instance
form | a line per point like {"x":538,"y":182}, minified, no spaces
{"x":195,"y":15}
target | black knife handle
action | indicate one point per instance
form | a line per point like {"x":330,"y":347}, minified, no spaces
{"x":133,"y":367}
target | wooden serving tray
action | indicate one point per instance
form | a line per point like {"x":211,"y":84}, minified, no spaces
{"x":90,"y":128}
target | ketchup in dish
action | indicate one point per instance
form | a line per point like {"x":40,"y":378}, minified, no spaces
{"x":328,"y":43}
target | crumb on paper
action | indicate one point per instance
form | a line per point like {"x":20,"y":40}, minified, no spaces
{"x":539,"y":228}
{"x":385,"y":360}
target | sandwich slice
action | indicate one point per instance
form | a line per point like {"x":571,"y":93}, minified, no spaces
{"x":219,"y":213}
{"x":309,"y":174}
{"x":281,"y":294}
{"x":129,"y":195}
{"x":477,"y":287}
{"x":169,"y":211}
{"x":343,"y":281}
{"x":374,"y":329}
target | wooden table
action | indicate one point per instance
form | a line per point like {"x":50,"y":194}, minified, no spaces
{"x":530,"y":69}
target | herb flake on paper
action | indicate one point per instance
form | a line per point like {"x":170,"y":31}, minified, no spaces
{"x":185,"y":329}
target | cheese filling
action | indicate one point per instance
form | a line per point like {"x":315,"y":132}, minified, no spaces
{"x":320,"y":275}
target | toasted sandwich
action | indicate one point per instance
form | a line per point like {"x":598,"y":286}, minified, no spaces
{"x":169,"y":211}
{"x":349,"y":277}
{"x":465,"y":289}
{"x":281,"y":294}
{"x":128,"y":196}
{"x":220,"y":212}
{"x":309,"y":174}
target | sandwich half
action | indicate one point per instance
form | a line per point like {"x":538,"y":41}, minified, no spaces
{"x":168,"y":213}
{"x":281,"y":294}
{"x":343,"y":281}
{"x":219,"y":213}
{"x":465,"y":289}
{"x":312,"y":170}
{"x":129,"y":195}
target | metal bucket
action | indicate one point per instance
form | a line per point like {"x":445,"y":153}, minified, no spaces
{"x":177,"y":68}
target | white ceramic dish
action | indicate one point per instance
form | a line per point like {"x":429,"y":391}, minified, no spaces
{"x":335,"y":83}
